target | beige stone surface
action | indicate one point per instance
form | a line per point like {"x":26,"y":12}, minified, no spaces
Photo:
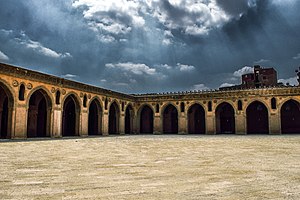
{"x":152,"y":167}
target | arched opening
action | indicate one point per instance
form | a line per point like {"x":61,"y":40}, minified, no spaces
{"x":38,"y":120}
{"x":209,"y":106}
{"x":182,"y":107}
{"x":70,"y":120}
{"x":84,"y":101}
{"x":57,"y":97}
{"x":257,"y":118}
{"x":170,"y":119}
{"x":240,"y":105}
{"x":196,"y":119}
{"x":290,"y":117}
{"x":113,"y":123}
{"x":273,"y":103}
{"x":225,"y":120}
{"x":95,"y":118}
{"x":22,"y":92}
{"x":6,"y":107}
{"x":146,"y":120}
{"x":128,"y":119}
{"x":157,"y":108}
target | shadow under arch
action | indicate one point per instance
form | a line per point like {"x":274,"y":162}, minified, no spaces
{"x":196,"y":119}
{"x":114,"y":118}
{"x":39,"y":113}
{"x":225,"y":118}
{"x":95,"y":117}
{"x":257,"y":117}
{"x":71,"y":114}
{"x":6,"y":110}
{"x":290,"y":117}
{"x":170,"y":119}
{"x":146,"y":119}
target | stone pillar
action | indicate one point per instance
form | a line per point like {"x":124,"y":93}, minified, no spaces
{"x":122,"y":124}
{"x":0,"y":120}
{"x":57,"y":123}
{"x":133,"y":122}
{"x":240,"y":123}
{"x":210,"y":123}
{"x":105,"y":123}
{"x":83,"y":129}
{"x":20,"y":122}
{"x":274,"y":124}
{"x":157,"y":124}
{"x":182,"y":123}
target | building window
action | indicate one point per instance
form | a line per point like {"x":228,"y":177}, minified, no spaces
{"x":157,"y":108}
{"x":182,"y":107}
{"x":84,"y":100}
{"x":209,"y":106}
{"x":105,"y":104}
{"x":273,"y":103}
{"x":22,"y":92}
{"x":57,"y":97}
{"x":123,"y":106}
{"x":240,"y":105}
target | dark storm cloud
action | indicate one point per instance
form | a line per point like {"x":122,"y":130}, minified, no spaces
{"x":150,"y":47}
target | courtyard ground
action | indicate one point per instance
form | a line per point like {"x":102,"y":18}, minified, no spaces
{"x":152,"y":167}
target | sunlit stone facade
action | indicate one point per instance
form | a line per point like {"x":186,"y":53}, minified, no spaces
{"x":33,"y":104}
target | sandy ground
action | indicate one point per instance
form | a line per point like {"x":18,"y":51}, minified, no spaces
{"x":152,"y":167}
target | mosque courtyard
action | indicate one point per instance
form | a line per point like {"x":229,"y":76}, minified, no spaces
{"x":152,"y":167}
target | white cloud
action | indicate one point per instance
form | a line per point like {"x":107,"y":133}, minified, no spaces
{"x":69,"y":76}
{"x":194,"y":17}
{"x":105,"y":38}
{"x":196,"y":30}
{"x":199,"y":86}
{"x":165,"y":66}
{"x":112,"y":17}
{"x":291,"y":81}
{"x":261,"y":61}
{"x":226,"y":85}
{"x":297,"y":57}
{"x":3,"y":56}
{"x":137,"y":69}
{"x":167,"y":41}
{"x":242,"y":71}
{"x":39,"y":48}
{"x":185,"y":68}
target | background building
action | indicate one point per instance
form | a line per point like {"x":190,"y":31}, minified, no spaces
{"x":259,"y":78}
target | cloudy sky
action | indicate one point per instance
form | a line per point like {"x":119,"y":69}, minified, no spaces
{"x":142,"y":46}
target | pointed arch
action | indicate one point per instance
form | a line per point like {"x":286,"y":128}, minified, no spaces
{"x":39,"y":113}
{"x":290,"y":117}
{"x":225,"y":118}
{"x":95,"y":117}
{"x":257,"y":117}
{"x":196,"y":119}
{"x":146,"y":118}
{"x":114,"y":118}
{"x":170,"y":119}
{"x":71,"y":114}
{"x":6,"y":109}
